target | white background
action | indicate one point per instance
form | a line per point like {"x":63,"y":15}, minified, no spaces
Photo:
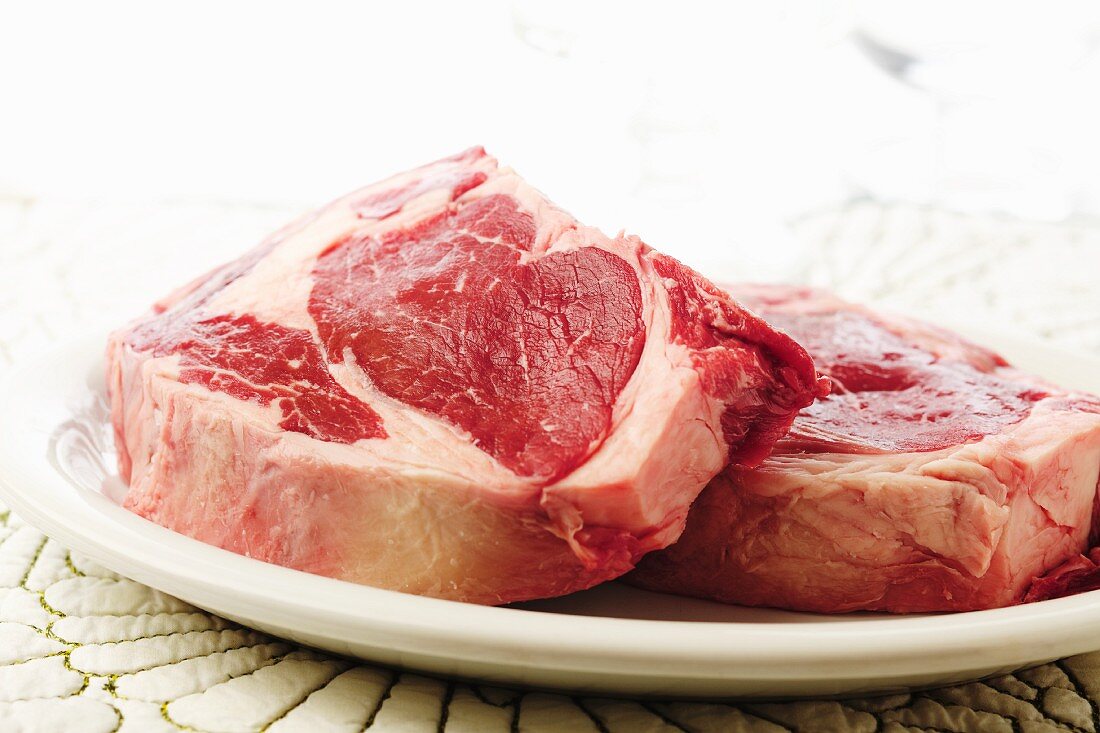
{"x":296,"y":103}
{"x":701,"y":126}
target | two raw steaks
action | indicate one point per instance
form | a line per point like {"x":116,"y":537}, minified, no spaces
{"x":445,"y":385}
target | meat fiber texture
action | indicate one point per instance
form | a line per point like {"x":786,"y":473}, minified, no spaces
{"x":443,"y":384}
{"x":935,"y":477}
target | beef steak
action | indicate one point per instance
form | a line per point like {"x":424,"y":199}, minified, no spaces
{"x":934,"y":477}
{"x":443,"y":384}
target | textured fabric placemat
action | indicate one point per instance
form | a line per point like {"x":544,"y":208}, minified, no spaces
{"x":82,"y":649}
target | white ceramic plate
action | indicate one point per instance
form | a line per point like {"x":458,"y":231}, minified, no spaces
{"x":57,"y":472}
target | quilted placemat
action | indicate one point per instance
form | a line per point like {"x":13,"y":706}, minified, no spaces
{"x":83,"y":649}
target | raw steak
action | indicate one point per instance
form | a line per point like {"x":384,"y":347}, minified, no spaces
{"x":443,"y":384}
{"x":935,"y":477}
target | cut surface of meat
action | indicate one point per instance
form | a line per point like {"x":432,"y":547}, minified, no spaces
{"x":492,"y":344}
{"x":444,"y":384}
{"x":890,"y":395}
{"x":934,"y":477}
